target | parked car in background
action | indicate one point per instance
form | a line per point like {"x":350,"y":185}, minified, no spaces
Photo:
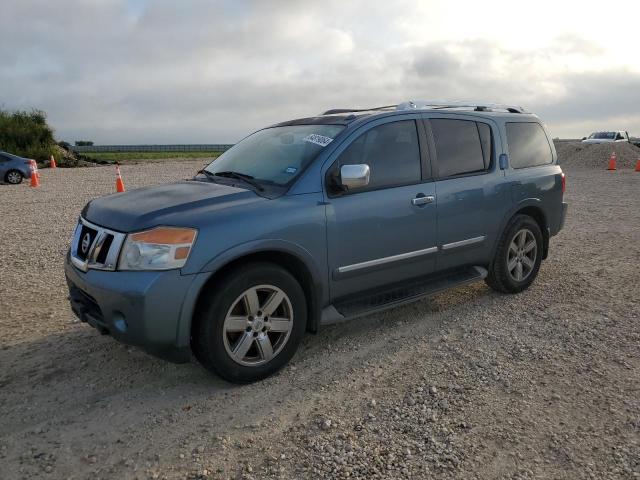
{"x":607,"y":137}
{"x":13,"y":169}
{"x":315,"y":221}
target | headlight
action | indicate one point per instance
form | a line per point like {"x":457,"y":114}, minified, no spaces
{"x":161,"y":248}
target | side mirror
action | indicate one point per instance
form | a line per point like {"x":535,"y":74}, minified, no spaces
{"x":354,"y":176}
{"x":584,"y":138}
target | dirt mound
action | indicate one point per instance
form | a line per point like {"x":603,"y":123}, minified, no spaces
{"x":578,"y":154}
{"x":65,"y":157}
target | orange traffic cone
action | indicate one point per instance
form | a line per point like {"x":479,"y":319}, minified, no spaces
{"x":35,"y":176}
{"x":638,"y":165}
{"x":612,"y":162}
{"x":119,"y":182}
{"x":52,"y":162}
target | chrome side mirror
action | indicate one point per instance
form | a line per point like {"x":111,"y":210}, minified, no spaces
{"x":354,"y":176}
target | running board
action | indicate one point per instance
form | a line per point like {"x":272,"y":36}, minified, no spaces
{"x":381,"y":299}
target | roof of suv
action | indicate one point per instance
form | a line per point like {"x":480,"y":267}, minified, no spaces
{"x":345,"y":116}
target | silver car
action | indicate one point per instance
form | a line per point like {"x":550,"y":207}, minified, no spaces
{"x":14,"y":169}
{"x":607,"y":137}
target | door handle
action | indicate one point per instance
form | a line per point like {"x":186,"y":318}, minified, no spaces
{"x":422,"y":199}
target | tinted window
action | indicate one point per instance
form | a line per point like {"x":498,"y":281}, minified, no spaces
{"x":528,"y":145}
{"x":458,"y":147}
{"x":391,"y":151}
{"x":485,"y":140}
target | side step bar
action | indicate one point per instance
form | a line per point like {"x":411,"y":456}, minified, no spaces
{"x":382,"y":299}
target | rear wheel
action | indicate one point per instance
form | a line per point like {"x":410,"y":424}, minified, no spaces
{"x":251,"y":324}
{"x":14,"y":177}
{"x":518,"y":256}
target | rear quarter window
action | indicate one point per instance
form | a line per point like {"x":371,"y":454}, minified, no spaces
{"x":528,"y":145}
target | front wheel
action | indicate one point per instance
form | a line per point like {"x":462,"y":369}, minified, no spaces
{"x":251,"y":323}
{"x":518,"y":256}
{"x":14,"y":177}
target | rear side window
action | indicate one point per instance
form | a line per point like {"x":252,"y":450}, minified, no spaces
{"x":391,"y":151}
{"x":528,"y":145}
{"x":459,"y":147}
{"x":485,"y":140}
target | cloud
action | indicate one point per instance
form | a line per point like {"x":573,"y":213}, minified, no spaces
{"x":136,"y":71}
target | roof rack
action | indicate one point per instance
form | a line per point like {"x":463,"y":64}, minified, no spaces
{"x":434,"y":105}
{"x":438,"y":105}
{"x":352,"y":110}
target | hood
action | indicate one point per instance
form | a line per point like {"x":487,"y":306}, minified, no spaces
{"x":177,"y":204}
{"x":598,"y":140}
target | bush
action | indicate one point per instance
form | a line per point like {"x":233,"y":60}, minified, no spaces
{"x":26,"y":134}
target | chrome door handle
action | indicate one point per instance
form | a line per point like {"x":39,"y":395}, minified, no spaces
{"x":423,"y":200}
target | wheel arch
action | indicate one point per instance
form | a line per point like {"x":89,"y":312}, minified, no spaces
{"x":284,"y":256}
{"x":533,"y":209}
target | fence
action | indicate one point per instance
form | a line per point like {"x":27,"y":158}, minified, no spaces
{"x":217,"y":147}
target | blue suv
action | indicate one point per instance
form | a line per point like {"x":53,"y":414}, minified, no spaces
{"x":314,"y":221}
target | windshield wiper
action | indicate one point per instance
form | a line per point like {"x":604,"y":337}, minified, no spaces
{"x":240,"y":176}
{"x":207,"y":173}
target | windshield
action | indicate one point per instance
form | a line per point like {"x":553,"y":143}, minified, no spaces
{"x":603,"y":135}
{"x":276,"y":155}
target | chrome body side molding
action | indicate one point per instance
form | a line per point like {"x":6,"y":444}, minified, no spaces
{"x":463,"y":243}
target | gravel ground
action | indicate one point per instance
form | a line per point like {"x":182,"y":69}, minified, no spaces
{"x":467,"y":384}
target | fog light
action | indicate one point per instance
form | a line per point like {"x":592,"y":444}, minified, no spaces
{"x":119,"y":322}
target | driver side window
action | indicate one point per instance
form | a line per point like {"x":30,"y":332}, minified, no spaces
{"x":392,"y":152}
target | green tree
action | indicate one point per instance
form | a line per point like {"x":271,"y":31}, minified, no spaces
{"x":27,"y":134}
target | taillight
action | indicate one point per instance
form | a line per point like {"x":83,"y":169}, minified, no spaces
{"x":564,"y":182}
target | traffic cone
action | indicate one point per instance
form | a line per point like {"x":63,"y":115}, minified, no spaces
{"x":52,"y":163}
{"x":638,"y":165}
{"x":612,"y":162}
{"x":119,"y":182}
{"x":35,"y":176}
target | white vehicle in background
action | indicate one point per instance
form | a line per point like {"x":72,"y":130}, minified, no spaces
{"x":607,"y":137}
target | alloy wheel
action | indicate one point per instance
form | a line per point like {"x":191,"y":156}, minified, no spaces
{"x":258,"y":325}
{"x":14,"y":178}
{"x":521,"y":255}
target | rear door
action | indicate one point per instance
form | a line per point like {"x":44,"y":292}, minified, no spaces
{"x":472,"y":198}
{"x":386,"y":232}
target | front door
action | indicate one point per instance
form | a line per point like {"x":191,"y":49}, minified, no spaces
{"x":385,"y":232}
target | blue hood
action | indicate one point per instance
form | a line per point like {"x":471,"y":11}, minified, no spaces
{"x":171,"y":204}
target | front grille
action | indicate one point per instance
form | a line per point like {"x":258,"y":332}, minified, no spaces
{"x":95,"y":247}
{"x":85,"y":241}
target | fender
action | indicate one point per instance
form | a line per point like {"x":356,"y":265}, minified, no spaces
{"x":526,"y":202}
{"x":239,"y":251}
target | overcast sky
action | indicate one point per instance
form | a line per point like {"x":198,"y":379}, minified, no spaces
{"x":155,"y":71}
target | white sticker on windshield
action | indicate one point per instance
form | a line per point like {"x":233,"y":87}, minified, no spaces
{"x":318,"y":139}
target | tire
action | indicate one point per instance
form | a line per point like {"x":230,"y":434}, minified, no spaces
{"x":13,"y":177}
{"x":504,"y":273}
{"x":241,"y":300}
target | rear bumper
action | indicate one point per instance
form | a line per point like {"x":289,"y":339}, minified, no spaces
{"x":557,"y":221}
{"x":137,"y":308}
{"x":563,"y":215}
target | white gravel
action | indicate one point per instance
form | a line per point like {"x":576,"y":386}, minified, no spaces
{"x":468,"y":384}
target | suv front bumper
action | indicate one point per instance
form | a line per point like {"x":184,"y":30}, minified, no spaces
{"x":137,"y":308}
